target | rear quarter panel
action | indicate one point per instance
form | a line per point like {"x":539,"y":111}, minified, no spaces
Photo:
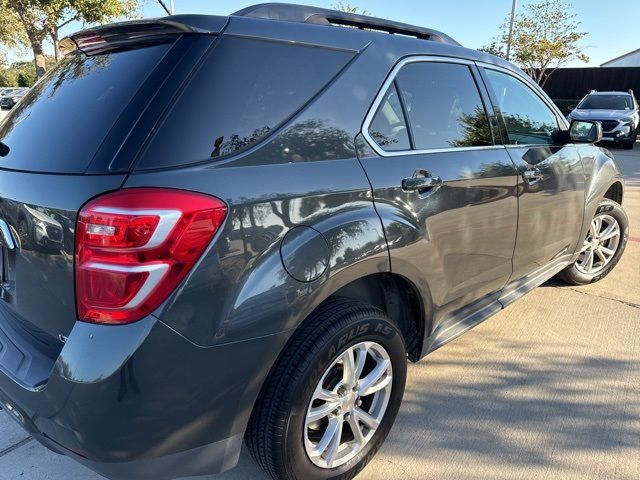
{"x":240,"y":289}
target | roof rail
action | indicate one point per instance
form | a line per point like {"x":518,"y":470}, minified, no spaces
{"x":323,"y":16}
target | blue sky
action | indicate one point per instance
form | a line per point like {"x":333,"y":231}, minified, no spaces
{"x":474,"y":23}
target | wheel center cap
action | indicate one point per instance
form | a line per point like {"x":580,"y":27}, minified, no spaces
{"x":349,"y":401}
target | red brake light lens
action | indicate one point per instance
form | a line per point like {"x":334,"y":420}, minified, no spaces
{"x":134,"y":246}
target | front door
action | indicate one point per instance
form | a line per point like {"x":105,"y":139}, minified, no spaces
{"x":551,"y":177}
{"x":445,"y":191}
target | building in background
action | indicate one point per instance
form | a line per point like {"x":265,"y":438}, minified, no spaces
{"x":631,"y":59}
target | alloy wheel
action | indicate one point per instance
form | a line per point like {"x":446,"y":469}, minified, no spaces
{"x":348,"y":405}
{"x":600,"y":246}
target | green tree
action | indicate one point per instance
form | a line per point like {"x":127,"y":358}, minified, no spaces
{"x":494,"y":48}
{"x":545,"y":36}
{"x":8,"y":76}
{"x":11,"y":32}
{"x":40,"y":20}
{"x":345,"y":7}
{"x":21,"y":74}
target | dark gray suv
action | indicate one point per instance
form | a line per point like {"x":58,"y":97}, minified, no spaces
{"x":259,"y":219}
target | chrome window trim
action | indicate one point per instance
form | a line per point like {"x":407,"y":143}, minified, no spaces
{"x":380,"y":96}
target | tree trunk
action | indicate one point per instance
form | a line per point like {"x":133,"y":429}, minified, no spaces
{"x":56,"y":45}
{"x":38,"y":59}
{"x":35,"y":35}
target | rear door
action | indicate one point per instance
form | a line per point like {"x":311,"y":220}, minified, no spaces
{"x":445,"y":190}
{"x":551,"y":177}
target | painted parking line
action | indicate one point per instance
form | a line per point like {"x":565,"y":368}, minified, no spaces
{"x":634,"y":239}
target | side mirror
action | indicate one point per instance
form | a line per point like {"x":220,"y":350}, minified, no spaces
{"x":584,"y":131}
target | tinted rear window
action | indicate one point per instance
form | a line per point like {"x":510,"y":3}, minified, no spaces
{"x":59,"y":125}
{"x":244,"y":90}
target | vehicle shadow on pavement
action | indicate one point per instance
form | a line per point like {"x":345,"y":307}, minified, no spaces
{"x":550,"y":407}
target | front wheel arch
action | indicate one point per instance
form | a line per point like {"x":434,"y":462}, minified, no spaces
{"x":573,"y":274}
{"x":615,"y":192}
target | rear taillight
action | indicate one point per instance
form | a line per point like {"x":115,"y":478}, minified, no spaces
{"x":135,"y":245}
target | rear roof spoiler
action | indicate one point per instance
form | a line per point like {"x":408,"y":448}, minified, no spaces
{"x":150,"y":31}
{"x":323,"y":16}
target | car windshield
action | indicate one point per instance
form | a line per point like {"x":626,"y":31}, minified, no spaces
{"x":607,"y":102}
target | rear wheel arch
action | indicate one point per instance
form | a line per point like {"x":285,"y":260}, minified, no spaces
{"x":400,"y":299}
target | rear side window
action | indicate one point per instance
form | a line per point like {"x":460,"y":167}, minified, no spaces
{"x":59,"y":125}
{"x":243,"y":90}
{"x":388,"y":127}
{"x":443,"y":105}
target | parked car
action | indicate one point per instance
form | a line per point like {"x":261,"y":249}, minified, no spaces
{"x":617,"y":112}
{"x":272,"y":214}
{"x":11,"y":96}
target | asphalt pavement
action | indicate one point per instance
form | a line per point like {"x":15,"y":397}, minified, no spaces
{"x":548,"y":388}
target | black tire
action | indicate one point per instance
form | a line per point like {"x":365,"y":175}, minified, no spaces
{"x":630,"y":144}
{"x":275,"y":435}
{"x":573,"y":276}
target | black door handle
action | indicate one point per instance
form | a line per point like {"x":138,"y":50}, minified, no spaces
{"x":421,"y":180}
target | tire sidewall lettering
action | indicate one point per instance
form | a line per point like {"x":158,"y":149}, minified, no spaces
{"x":604,"y":208}
{"x":340,"y":344}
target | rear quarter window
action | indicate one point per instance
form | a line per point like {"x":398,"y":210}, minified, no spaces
{"x":243,"y":90}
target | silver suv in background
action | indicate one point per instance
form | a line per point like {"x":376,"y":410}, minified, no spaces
{"x":10,"y":96}
{"x":616,"y":111}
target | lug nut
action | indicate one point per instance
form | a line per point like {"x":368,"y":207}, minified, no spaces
{"x":359,"y":402}
{"x":342,"y":391}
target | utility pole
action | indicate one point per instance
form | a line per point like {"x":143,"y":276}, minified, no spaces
{"x":514,"y":5}
{"x":170,"y":9}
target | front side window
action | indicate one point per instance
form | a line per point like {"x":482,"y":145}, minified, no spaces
{"x":529,"y":121}
{"x":443,"y":106}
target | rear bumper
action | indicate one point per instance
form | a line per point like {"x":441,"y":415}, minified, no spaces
{"x":140,"y":401}
{"x":214,"y":458}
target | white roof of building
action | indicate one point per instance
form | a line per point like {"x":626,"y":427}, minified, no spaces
{"x":621,"y":59}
